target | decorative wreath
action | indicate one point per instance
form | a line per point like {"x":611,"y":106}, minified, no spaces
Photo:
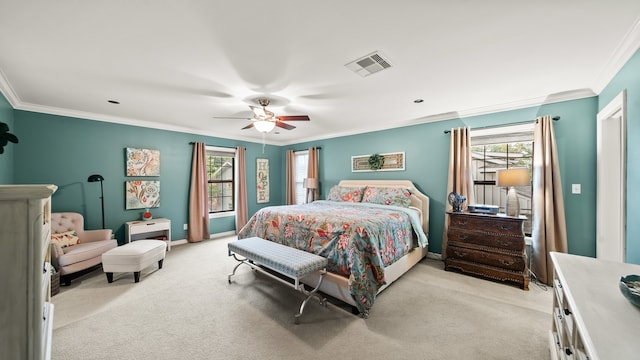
{"x":376,"y":161}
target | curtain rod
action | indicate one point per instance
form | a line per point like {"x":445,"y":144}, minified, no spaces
{"x":228,"y":147}
{"x":317,"y":147}
{"x":555,"y":118}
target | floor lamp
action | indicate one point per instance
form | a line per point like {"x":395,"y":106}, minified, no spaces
{"x":94,"y":178}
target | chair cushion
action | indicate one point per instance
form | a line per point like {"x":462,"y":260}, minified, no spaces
{"x":84,"y":251}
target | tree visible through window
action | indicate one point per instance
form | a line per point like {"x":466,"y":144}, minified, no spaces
{"x":221,"y":179}
{"x":487,"y":158}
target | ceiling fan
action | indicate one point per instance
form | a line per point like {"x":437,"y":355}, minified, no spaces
{"x":264,"y":120}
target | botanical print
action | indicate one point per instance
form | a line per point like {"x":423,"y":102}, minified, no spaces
{"x":141,"y":194}
{"x":143,"y":162}
{"x":262,"y":180}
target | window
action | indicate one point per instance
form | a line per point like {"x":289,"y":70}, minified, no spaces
{"x":502,"y":148}
{"x":301,"y":162}
{"x":221,"y":179}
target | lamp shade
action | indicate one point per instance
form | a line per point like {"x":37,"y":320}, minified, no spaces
{"x":264,"y":126}
{"x":94,"y":178}
{"x":311,"y":183}
{"x":513,"y":177}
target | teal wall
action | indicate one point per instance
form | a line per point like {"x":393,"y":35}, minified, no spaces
{"x":6,"y":159}
{"x":629,"y":78}
{"x":426,"y":150}
{"x":65,"y":151}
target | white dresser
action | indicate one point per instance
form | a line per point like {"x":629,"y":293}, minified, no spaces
{"x":591,"y":318}
{"x":26,"y":313}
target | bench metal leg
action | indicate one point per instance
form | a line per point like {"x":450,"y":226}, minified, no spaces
{"x":296,"y":285}
{"x":241,"y":261}
{"x":310,"y":294}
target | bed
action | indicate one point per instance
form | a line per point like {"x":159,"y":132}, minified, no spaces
{"x":371,"y":231}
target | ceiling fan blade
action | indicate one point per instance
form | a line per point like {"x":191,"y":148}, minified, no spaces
{"x":293,"y":118}
{"x":284,"y":125}
{"x":248,"y":126}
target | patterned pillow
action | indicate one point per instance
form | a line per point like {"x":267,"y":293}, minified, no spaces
{"x":387,"y":196}
{"x":68,"y":238}
{"x":346,"y":194}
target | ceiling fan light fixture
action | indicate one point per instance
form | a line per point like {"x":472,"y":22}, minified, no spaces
{"x":264,"y":126}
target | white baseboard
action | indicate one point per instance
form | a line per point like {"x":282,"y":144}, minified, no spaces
{"x":434,"y":256}
{"x":211,"y":236}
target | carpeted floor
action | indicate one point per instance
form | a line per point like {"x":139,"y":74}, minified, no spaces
{"x":187,"y":310}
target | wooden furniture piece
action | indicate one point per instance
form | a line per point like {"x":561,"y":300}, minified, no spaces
{"x":591,"y":318}
{"x":491,"y":246}
{"x":158,"y":229}
{"x":26,"y":312}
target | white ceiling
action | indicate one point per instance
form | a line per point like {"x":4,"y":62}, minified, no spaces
{"x":177,"y":65}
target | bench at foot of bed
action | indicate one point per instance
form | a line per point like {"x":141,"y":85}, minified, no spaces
{"x":292,"y":263}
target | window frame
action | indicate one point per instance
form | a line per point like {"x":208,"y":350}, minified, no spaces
{"x":296,"y":154}
{"x":507,"y":134}
{"x":224,"y":152}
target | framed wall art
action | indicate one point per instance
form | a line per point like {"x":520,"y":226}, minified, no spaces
{"x":142,"y":194}
{"x":143,"y":162}
{"x":262,"y":180}
{"x":378,"y":162}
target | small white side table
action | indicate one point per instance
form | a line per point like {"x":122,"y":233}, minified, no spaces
{"x":149,"y":229}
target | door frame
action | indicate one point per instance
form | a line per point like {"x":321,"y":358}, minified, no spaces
{"x":618,"y":105}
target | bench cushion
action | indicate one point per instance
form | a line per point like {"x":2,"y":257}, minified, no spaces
{"x":281,"y":258}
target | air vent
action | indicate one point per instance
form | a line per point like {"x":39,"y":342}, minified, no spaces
{"x":369,"y":64}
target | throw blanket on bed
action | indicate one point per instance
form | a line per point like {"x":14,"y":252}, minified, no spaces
{"x":358,"y":239}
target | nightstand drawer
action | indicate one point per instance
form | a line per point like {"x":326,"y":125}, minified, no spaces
{"x":486,"y":224}
{"x":505,"y":261}
{"x":510,"y":243}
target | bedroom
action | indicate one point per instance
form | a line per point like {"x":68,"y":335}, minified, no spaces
{"x":64,"y":150}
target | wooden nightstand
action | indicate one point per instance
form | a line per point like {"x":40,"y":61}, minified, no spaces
{"x":491,"y":246}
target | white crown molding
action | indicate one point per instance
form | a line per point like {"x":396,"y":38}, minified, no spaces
{"x":7,"y":91}
{"x":628,"y":46}
{"x":491,"y":109}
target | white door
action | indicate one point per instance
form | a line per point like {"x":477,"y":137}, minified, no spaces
{"x":611,"y":180}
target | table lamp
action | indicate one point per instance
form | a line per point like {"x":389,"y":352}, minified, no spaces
{"x":311,"y":184}
{"x":510,"y":178}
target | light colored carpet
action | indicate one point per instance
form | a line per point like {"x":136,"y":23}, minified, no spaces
{"x":187,"y":310}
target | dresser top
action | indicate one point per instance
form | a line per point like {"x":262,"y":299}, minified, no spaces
{"x":13,"y":192}
{"x":610,"y":323}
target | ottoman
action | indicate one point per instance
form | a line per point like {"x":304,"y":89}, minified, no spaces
{"x":133,"y":257}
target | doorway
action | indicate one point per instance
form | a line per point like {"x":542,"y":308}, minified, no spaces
{"x":611,"y":180}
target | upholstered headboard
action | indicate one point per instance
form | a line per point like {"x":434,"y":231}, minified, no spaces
{"x":418,"y":199}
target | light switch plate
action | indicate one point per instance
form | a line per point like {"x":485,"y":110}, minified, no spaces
{"x":576,"y":189}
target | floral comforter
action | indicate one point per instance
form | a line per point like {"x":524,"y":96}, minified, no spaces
{"x":358,"y":239}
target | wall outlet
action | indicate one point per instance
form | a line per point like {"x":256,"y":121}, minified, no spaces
{"x":185,"y":227}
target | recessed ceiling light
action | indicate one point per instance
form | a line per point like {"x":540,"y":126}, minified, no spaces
{"x":114,"y":102}
{"x":418,"y":101}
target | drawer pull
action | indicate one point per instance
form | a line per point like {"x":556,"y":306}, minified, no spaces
{"x":460,"y":253}
{"x":462,"y":237}
{"x":505,"y":227}
{"x":505,"y":262}
{"x":505,"y":243}
{"x":461,"y":222}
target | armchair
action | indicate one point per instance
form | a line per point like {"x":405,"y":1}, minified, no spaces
{"x":88,"y":250}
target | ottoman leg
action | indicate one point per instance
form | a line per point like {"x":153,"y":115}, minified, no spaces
{"x":160,"y":263}
{"x":136,"y":276}
{"x":109,"y":277}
